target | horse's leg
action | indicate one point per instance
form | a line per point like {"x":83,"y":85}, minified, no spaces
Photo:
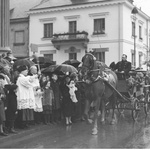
{"x":113,"y":108}
{"x":86,"y":110}
{"x":97,"y":105}
{"x":103,"y":110}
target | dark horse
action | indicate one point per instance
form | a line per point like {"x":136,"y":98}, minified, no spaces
{"x":97,"y":90}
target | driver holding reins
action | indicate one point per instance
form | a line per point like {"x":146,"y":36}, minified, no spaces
{"x":123,"y":66}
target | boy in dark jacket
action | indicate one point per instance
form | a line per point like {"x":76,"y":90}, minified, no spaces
{"x":11,"y":107}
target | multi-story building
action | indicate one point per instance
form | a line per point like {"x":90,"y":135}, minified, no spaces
{"x":66,"y":29}
{"x":19,"y":26}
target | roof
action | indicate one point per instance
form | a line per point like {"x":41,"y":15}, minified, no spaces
{"x":60,"y":3}
{"x":18,"y":8}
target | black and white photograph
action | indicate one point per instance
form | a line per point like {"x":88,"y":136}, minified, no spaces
{"x":74,"y":74}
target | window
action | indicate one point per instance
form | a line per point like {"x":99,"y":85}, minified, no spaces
{"x":140,"y":32}
{"x":100,"y":56}
{"x":72,"y":28}
{"x":48,"y":57}
{"x":99,"y":26}
{"x":48,"y":30}
{"x":140,"y":59}
{"x":133,"y":29}
{"x":73,"y":56}
{"x":19,"y":38}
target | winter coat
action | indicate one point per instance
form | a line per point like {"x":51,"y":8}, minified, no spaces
{"x":67,"y":104}
{"x":2,"y":106}
{"x":57,"y":94}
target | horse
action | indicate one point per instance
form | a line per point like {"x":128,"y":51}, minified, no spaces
{"x":97,"y":90}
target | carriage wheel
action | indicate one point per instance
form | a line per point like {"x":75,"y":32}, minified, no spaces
{"x":135,"y":112}
{"x":120,"y":107}
{"x":147,"y":104}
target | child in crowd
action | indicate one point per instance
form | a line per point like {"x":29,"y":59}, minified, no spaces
{"x":48,"y":97}
{"x":72,"y":89}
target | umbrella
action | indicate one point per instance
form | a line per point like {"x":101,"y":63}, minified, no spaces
{"x":49,"y":69}
{"x":20,"y":62}
{"x":72,"y":62}
{"x":65,"y":68}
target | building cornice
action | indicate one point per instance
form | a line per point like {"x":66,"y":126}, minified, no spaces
{"x":16,"y":20}
{"x":73,"y":7}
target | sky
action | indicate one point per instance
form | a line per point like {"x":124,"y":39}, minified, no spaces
{"x":144,"y":4}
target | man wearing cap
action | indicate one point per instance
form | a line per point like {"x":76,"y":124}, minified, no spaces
{"x":123,"y":66}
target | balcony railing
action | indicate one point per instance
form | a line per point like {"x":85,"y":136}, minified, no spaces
{"x":70,"y":37}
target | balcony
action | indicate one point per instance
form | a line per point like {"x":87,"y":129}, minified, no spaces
{"x":65,"y":38}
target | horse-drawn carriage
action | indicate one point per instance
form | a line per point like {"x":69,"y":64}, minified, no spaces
{"x":114,"y":90}
{"x":134,"y":95}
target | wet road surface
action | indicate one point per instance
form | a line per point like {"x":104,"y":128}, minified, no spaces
{"x":124,"y":134}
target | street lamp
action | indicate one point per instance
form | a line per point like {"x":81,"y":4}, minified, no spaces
{"x":134,"y":12}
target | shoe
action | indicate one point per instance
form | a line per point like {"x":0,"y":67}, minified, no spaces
{"x":3,"y":134}
{"x":70,"y":122}
{"x":67,"y":123}
{"x":13,"y":131}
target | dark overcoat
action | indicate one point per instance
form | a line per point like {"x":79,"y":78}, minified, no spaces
{"x":55,"y":85}
{"x":67,"y":104}
{"x":11,"y":105}
{"x":123,"y":66}
{"x":2,"y":106}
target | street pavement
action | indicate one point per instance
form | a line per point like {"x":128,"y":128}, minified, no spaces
{"x":124,"y":134}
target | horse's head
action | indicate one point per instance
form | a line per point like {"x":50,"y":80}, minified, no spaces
{"x":87,"y":64}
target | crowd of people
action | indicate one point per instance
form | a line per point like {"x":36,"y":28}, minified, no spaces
{"x":34,"y":98}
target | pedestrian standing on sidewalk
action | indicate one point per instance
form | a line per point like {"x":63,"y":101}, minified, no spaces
{"x":67,"y":104}
{"x":57,"y":98}
{"x":38,"y":95}
{"x":2,"y":106}
{"x":48,"y":97}
{"x":11,"y":111}
{"x":25,"y":97}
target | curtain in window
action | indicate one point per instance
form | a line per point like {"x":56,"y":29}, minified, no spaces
{"x":48,"y":30}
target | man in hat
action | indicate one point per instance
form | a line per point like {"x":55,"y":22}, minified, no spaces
{"x":123,"y":66}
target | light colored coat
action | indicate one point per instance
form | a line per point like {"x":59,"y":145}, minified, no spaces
{"x":37,"y":93}
{"x":25,"y":93}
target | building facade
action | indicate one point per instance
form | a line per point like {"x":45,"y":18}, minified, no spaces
{"x":19,"y":26}
{"x":68,"y":29}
